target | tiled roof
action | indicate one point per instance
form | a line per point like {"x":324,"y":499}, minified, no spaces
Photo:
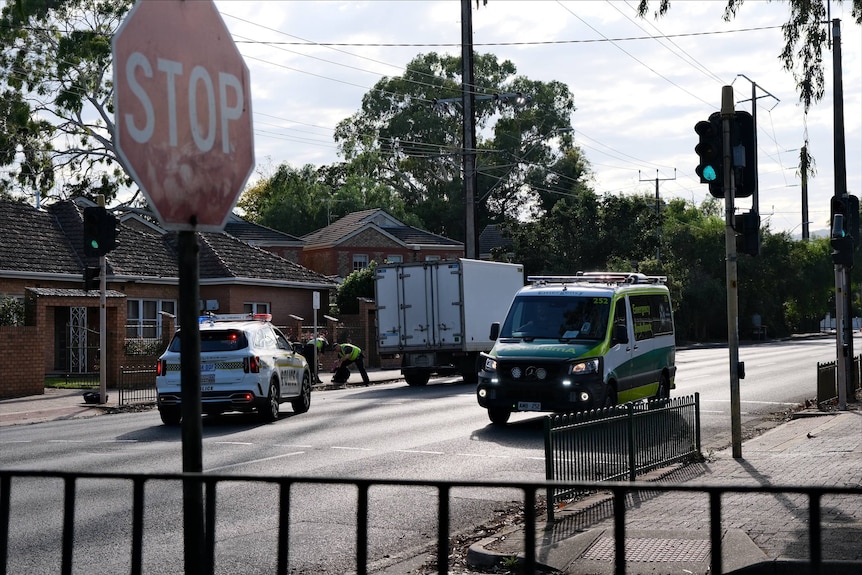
{"x":32,"y":240}
{"x":258,"y":234}
{"x":491,"y":238}
{"x":51,"y":241}
{"x":223,"y":255}
{"x":348,"y":225}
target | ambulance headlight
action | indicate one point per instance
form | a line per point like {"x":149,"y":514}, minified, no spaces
{"x":584,"y":367}
{"x":490,"y":364}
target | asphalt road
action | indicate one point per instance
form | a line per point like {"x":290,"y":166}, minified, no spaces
{"x":385,"y":431}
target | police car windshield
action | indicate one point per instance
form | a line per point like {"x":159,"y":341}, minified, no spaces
{"x":215,"y":340}
{"x":561,"y":317}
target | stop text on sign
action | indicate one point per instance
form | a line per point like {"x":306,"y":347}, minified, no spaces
{"x":218,"y":110}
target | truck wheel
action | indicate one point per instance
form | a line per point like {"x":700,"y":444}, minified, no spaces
{"x":170,"y":415}
{"x":498,"y":415}
{"x":268,"y":410}
{"x":417,"y":378}
{"x":303,"y":401}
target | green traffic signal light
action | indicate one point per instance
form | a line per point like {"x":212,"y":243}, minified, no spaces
{"x":709,"y":152}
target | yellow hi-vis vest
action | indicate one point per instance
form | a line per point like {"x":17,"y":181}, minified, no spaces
{"x":350,"y":350}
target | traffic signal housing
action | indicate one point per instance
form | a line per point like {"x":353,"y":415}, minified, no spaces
{"x":744,"y":147}
{"x":710,"y":165}
{"x":748,"y":233}
{"x":845,"y":229}
{"x":100,"y":231}
{"x":91,"y":277}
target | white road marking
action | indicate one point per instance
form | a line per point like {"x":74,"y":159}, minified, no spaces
{"x":419,"y":451}
{"x":232,"y":443}
{"x":253,"y":461}
{"x":350,"y":448}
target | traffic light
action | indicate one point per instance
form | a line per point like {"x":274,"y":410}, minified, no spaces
{"x":744,"y":154}
{"x":100,"y":231}
{"x":845,"y":229}
{"x":91,"y":277}
{"x":709,"y":151}
{"x":748,"y":233}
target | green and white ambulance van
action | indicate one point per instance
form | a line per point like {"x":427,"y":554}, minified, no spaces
{"x":580,"y":342}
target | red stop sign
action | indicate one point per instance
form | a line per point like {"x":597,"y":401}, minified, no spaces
{"x":182,"y":115}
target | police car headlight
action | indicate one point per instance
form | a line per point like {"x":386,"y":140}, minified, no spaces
{"x":490,"y":364}
{"x":584,"y":367}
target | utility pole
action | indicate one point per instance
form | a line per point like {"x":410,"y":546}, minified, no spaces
{"x":657,"y":210}
{"x":755,"y":197}
{"x":468,"y":100}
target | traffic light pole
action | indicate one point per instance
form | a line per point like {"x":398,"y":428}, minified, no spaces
{"x":727,"y":113}
{"x":103,"y":335}
{"x":843,"y":308}
{"x":103,"y":323}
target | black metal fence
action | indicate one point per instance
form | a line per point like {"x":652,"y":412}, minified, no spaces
{"x":137,"y":385}
{"x":827,"y":383}
{"x":204,"y":548}
{"x":620,"y":442}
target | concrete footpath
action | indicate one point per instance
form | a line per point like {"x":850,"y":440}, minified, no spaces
{"x":762,"y":533}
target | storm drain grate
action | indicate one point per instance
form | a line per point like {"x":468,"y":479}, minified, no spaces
{"x":650,"y":550}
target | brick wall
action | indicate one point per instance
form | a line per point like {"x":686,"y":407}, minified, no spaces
{"x":21,"y":369}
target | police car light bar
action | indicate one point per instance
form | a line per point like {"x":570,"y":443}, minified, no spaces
{"x":235,"y":317}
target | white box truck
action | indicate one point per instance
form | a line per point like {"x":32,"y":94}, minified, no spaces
{"x":437,"y":315}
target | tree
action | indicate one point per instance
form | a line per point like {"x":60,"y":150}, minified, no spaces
{"x":805,"y":34}
{"x":56,"y":100}
{"x":300,"y":201}
{"x":406,"y":141}
{"x":358,"y":284}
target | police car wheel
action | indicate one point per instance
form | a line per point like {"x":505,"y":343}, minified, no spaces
{"x":303,"y":400}
{"x":269,"y":411}
{"x":170,"y":415}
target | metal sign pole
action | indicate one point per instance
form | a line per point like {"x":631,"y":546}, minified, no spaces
{"x":190,"y":377}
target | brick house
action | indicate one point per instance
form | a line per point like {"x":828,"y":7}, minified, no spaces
{"x":42,"y":264}
{"x":356,"y":239}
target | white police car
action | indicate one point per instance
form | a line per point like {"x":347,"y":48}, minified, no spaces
{"x":246,"y":365}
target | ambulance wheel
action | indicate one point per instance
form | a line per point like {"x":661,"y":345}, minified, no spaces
{"x":498,"y":415}
{"x":662,"y":395}
{"x":663,"y":388}
{"x":610,"y":397}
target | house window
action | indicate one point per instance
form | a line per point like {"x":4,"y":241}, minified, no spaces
{"x":360,"y":262}
{"x":143,"y":319}
{"x":255,"y":307}
{"x":432,"y":258}
{"x":395,"y":259}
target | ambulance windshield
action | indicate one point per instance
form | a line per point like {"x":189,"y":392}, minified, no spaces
{"x":560,"y":317}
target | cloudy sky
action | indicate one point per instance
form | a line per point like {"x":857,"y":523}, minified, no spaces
{"x":639,"y":85}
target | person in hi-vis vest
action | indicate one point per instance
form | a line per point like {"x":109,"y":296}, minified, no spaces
{"x":349,"y":353}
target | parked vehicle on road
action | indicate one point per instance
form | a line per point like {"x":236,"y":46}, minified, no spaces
{"x":246,"y":365}
{"x":575,"y":343}
{"x":436,"y":314}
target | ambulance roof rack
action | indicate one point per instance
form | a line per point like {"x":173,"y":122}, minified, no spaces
{"x":599,"y":277}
